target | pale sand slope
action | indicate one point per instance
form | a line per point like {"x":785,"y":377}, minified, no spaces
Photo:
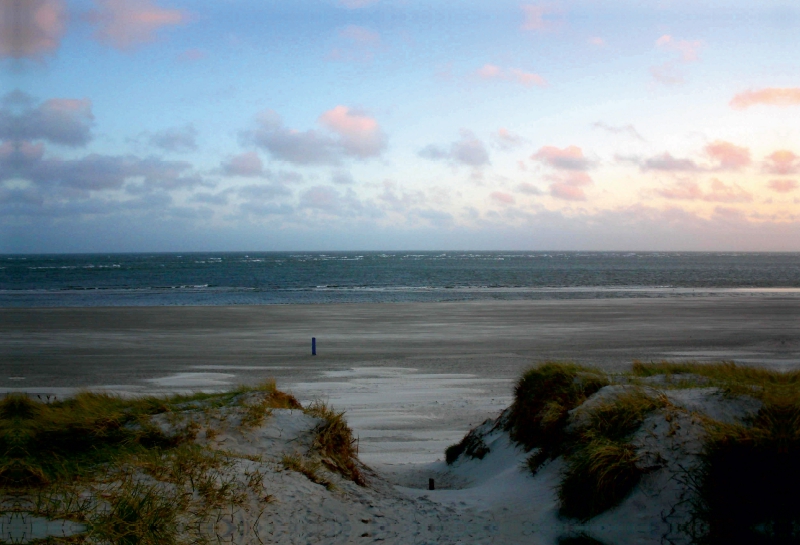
{"x":492,"y":500}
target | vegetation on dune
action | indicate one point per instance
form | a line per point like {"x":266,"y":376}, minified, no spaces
{"x":601,"y":462}
{"x":543,"y":397}
{"x":749,"y":473}
{"x":134,"y":471}
{"x":335,"y":442}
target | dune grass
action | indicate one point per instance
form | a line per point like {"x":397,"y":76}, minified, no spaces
{"x":335,"y":442}
{"x":130,"y":470}
{"x":601,"y":463}
{"x":749,"y":473}
{"x":543,"y":397}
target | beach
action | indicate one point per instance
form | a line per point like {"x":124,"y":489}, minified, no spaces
{"x":412,"y":377}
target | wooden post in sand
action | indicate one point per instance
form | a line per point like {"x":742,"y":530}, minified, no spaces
{"x":313,"y":346}
{"x":430,"y":485}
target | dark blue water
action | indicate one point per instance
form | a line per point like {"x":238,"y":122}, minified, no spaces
{"x":286,"y":278}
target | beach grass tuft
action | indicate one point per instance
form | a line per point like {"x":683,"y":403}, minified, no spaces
{"x":543,"y":397}
{"x":601,"y":463}
{"x":335,"y":442}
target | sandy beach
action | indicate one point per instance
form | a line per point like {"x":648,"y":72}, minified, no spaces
{"x":412,"y":377}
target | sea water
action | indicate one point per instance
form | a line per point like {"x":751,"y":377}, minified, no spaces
{"x":227,"y":278}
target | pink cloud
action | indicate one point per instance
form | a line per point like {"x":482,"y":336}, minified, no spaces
{"x":360,"y":134}
{"x":64,"y":121}
{"x":782,"y":162}
{"x":535,"y":16}
{"x":489,"y":71}
{"x":683,"y":190}
{"x":245,"y":164}
{"x":508,"y":140}
{"x":192,"y":55}
{"x":689,"y":50}
{"x":569,"y":186}
{"x":726,"y":193}
{"x":569,"y":158}
{"x":125,"y":24}
{"x":528,"y":79}
{"x":31,"y":28}
{"x":667,"y":162}
{"x":719,"y":192}
{"x":666,"y":74}
{"x":729,"y":156}
{"x":503,"y":198}
{"x":528,"y":189}
{"x":770,"y":96}
{"x":783,"y":186}
{"x":597,"y":41}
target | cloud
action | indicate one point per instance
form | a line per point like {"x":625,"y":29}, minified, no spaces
{"x":535,"y":17}
{"x":502,"y":198}
{"x":192,"y":55}
{"x":342,"y":177}
{"x":783,"y":186}
{"x":357,"y":44}
{"x":571,"y":178}
{"x":770,"y":96}
{"x":64,"y":121}
{"x":507,"y":140}
{"x":246,"y":164}
{"x":31,"y":28}
{"x":667,"y":163}
{"x":597,"y":41}
{"x":399,"y":201}
{"x":628,"y":129}
{"x":729,"y":156}
{"x":719,"y":192}
{"x":666,"y":74}
{"x":356,"y":4}
{"x":468,"y":150}
{"x":689,"y":51}
{"x":263,"y":192}
{"x":360,"y":136}
{"x":356,"y":135}
{"x":126,"y":24}
{"x":528,"y":189}
{"x":569,"y":158}
{"x":782,"y":162}
{"x":93,"y":172}
{"x":330,"y":200}
{"x":176,"y":139}
{"x":528,"y":79}
{"x":569,"y":186}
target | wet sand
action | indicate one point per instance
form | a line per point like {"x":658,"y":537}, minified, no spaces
{"x":412,"y":377}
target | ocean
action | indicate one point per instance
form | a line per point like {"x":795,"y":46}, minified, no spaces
{"x":256,"y":278}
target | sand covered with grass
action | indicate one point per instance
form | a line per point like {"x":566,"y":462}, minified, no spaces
{"x":579,"y":455}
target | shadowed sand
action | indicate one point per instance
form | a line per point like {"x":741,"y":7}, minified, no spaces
{"x":412,"y":377}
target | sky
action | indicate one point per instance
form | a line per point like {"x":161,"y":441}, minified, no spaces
{"x":176,"y":125}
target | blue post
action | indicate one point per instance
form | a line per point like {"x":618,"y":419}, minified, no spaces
{"x":313,"y":346}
